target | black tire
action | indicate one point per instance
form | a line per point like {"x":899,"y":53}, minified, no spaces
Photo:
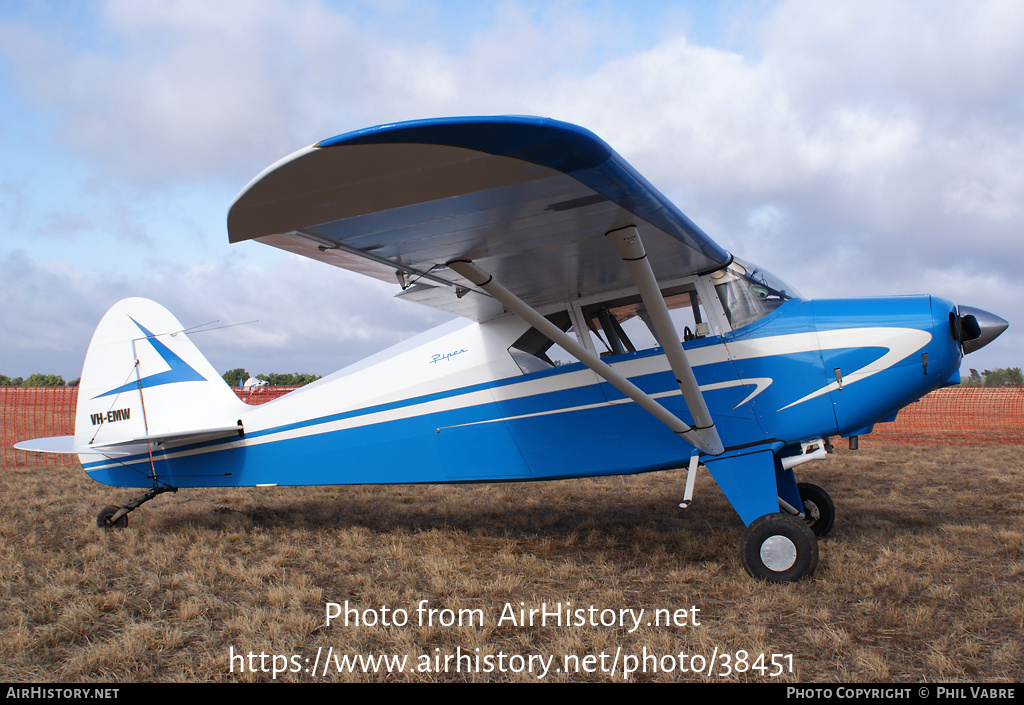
{"x":103,"y":518}
{"x":819,"y":509}
{"x":779,"y":548}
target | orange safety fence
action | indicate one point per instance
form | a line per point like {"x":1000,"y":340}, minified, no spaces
{"x":36,"y":412}
{"x":261,"y":394}
{"x":964,"y":416}
{"x":39,"y":412}
{"x":952,"y":416}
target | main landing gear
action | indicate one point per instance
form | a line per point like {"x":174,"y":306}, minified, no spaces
{"x":783,"y":547}
{"x":779,"y":548}
{"x":819,"y":510}
{"x":114,"y":517}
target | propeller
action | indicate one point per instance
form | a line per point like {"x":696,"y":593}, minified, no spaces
{"x":977,"y":328}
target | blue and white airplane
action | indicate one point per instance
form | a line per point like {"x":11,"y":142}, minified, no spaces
{"x":602,"y":333}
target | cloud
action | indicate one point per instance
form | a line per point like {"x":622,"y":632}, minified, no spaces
{"x":291,"y":316}
{"x":177,"y":90}
{"x":853,"y":148}
{"x":858,"y":136}
{"x":181,"y":89}
{"x":957,"y":58}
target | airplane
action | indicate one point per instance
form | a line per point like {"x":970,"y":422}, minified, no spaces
{"x":599,"y":332}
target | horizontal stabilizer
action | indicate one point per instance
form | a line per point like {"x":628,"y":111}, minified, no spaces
{"x":178,"y":438}
{"x":53,"y":444}
{"x":66,"y":444}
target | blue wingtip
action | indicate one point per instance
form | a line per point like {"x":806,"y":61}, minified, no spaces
{"x":545,"y":141}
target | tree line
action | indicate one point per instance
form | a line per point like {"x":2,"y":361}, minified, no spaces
{"x":234,"y":378}
{"x":999,"y":377}
{"x":238,"y":376}
{"x":36,"y":380}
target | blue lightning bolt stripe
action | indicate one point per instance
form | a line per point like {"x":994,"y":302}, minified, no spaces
{"x":180,"y":370}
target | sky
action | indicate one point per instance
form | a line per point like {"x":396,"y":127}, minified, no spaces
{"x":852,"y":148}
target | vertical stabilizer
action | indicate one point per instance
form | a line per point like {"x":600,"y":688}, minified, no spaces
{"x":144,"y":381}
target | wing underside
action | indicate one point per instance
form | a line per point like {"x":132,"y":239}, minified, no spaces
{"x":476,"y":215}
{"x":528,"y":199}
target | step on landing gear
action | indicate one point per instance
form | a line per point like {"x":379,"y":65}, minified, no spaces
{"x":114,"y":517}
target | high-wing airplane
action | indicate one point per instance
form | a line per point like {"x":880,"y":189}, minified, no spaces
{"x":601,"y":333}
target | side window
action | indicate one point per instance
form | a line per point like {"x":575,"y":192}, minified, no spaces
{"x":608,"y":323}
{"x":624,"y":325}
{"x":533,"y":351}
{"x":613,"y":328}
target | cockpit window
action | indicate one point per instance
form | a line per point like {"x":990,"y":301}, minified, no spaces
{"x":749,"y":292}
{"x":612,"y":327}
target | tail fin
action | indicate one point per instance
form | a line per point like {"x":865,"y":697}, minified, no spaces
{"x":144,"y":381}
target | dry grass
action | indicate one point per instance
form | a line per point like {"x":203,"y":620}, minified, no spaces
{"x":921,"y":579}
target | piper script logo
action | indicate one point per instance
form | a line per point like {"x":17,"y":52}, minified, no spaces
{"x":438,"y":357}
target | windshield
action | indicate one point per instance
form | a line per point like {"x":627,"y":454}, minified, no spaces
{"x":748,"y":292}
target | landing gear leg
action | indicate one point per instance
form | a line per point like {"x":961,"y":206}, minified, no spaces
{"x":779,"y":548}
{"x":114,"y":517}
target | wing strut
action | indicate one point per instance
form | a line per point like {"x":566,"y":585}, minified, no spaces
{"x":705,"y":440}
{"x":631,"y":249}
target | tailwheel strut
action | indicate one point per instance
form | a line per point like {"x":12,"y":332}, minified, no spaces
{"x":114,"y":517}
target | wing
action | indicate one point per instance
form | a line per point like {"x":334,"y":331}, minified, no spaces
{"x":527,"y":199}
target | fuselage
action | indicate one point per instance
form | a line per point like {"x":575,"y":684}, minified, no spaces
{"x":452,"y":405}
{"x":610,"y":335}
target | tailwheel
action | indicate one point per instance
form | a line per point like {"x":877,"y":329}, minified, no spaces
{"x":819,"y":510}
{"x":105,"y":519}
{"x":113,"y":517}
{"x":779,"y":548}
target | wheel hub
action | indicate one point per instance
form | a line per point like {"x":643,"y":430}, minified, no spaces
{"x":811,"y":511}
{"x":778,"y":553}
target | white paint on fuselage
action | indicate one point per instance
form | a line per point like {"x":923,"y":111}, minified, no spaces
{"x":413,"y":370}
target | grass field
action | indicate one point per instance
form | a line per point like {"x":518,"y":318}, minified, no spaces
{"x":921,"y":580}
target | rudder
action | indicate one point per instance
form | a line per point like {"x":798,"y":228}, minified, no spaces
{"x":143,"y":380}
